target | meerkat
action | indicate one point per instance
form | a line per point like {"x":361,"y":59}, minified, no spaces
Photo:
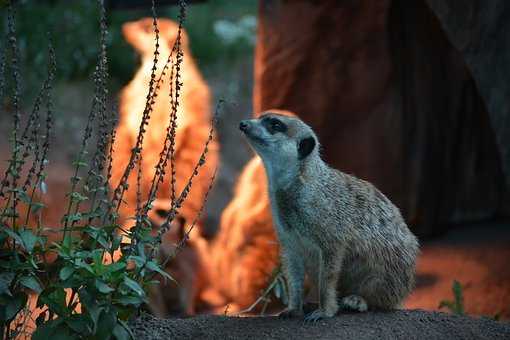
{"x":193,"y":119}
{"x":341,"y":231}
{"x":193,"y":125}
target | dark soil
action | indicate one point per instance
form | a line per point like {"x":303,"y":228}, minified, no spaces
{"x":402,"y":324}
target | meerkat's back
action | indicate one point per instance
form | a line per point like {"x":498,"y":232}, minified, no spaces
{"x":379,"y":245}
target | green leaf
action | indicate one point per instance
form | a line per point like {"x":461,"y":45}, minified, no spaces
{"x":96,"y":213}
{"x":9,"y":213}
{"x":103,"y":287}
{"x":139,"y":261}
{"x":80,"y":164}
{"x":67,"y":241}
{"x":130,"y":300}
{"x":82,"y":264}
{"x":31,"y":283}
{"x":285,"y":295}
{"x":106,"y":324}
{"x":66,"y":273}
{"x":77,"y":197}
{"x":120,"y":332}
{"x":459,"y":299}
{"x":14,"y":305}
{"x":46,"y":330}
{"x":156,"y":268}
{"x":94,"y":311}
{"x":90,"y":307}
{"x":73,"y":217}
{"x":115,"y":266}
{"x":29,"y":240}
{"x":78,"y":323}
{"x":5,"y":281}
{"x":13,"y":235}
{"x":55,"y":299}
{"x":277,"y":291}
{"x":140,"y":246}
{"x":41,"y":318}
{"x":153,"y":283}
{"x":116,"y":242}
{"x":102,"y":241}
{"x":22,"y":196}
{"x":133,"y":285}
{"x":55,"y":329}
{"x":97,"y":256}
{"x":36,"y":206}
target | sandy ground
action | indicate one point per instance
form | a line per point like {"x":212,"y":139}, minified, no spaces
{"x":414,"y":324}
{"x":477,"y":256}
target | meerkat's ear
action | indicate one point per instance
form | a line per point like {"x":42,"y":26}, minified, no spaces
{"x":305,"y":147}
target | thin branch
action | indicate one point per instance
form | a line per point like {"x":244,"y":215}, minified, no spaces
{"x":151,"y":99}
{"x":182,"y":243}
{"x":264,"y":295}
{"x":184,"y":193}
{"x":168,"y":151}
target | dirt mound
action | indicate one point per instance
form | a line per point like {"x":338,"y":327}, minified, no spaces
{"x":404,"y":324}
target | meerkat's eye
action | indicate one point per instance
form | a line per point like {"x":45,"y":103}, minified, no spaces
{"x":274,"y":125}
{"x":277,"y":126}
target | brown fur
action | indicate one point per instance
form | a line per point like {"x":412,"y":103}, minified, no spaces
{"x":245,"y":251}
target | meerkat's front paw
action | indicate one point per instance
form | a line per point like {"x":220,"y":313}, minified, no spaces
{"x":354,"y":303}
{"x":317,"y":315}
{"x":291,"y":313}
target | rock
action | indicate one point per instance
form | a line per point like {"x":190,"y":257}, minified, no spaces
{"x":479,"y":30}
{"x":391,"y":98}
{"x":402,"y":324}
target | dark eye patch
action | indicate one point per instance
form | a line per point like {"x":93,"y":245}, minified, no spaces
{"x":274,"y":125}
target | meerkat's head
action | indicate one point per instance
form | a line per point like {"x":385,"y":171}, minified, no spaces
{"x":280,"y":139}
{"x":140,"y":34}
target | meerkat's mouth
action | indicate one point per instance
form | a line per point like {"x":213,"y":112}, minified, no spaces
{"x":257,"y":139}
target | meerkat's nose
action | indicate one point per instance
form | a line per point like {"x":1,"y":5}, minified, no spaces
{"x":243,"y":126}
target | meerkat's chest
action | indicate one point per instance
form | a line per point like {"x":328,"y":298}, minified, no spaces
{"x":293,"y":212}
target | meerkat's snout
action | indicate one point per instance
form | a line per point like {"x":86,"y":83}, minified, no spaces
{"x":248,"y":126}
{"x":243,"y":126}
{"x":254,"y":132}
